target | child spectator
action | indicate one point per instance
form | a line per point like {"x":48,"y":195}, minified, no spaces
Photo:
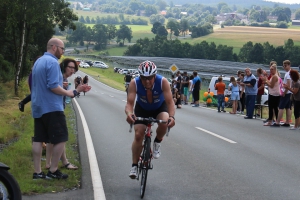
{"x":220,"y":87}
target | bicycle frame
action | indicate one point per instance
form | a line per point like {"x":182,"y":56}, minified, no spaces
{"x":144,"y":163}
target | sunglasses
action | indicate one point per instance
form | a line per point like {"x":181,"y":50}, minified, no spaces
{"x":149,"y":78}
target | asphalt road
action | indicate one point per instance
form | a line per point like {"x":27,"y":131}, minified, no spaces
{"x":208,"y":155}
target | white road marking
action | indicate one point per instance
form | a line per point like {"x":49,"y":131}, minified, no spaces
{"x":216,"y":135}
{"x":95,"y":173}
{"x":124,"y":100}
{"x":111,"y":95}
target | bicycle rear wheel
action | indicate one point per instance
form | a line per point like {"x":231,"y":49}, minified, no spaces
{"x":145,"y":166}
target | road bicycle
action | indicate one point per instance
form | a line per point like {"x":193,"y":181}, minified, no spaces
{"x":144,"y":163}
{"x":9,"y":187}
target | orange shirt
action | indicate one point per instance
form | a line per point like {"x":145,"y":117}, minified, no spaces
{"x":220,"y":87}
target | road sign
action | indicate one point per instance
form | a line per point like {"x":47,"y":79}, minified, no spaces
{"x":173,"y":68}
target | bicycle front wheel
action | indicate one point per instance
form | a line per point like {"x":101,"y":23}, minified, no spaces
{"x":145,"y":166}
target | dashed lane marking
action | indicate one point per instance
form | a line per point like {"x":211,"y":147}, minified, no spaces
{"x":216,"y":135}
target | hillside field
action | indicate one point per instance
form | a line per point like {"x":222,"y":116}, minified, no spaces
{"x":235,"y":36}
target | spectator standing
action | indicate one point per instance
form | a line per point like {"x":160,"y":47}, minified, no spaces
{"x":242,"y":93}
{"x":250,"y":84}
{"x":285,"y":99}
{"x":295,"y":96}
{"x":274,"y":93}
{"x":235,"y":96}
{"x":47,"y":108}
{"x":190,"y":89}
{"x":220,"y":87}
{"x":196,"y":87}
{"x":260,"y":89}
{"x":178,"y":84}
{"x":68,"y":67}
{"x":185,"y":85}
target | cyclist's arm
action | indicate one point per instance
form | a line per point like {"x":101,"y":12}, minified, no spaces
{"x":130,"y":101}
{"x":169,"y":100}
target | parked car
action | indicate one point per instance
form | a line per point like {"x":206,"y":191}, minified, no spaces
{"x":123,"y":71}
{"x":84,"y":65}
{"x":89,"y":62}
{"x":100,"y":64}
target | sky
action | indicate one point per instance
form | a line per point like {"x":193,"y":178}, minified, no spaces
{"x":286,"y":1}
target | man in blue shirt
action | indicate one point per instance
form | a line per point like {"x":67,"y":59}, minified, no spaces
{"x":47,"y":108}
{"x":196,"y":87}
{"x":250,"y":84}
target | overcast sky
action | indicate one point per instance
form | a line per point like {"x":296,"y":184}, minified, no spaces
{"x":286,"y":1}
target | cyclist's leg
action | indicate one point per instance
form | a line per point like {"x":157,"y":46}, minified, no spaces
{"x":162,"y":128}
{"x":137,"y":144}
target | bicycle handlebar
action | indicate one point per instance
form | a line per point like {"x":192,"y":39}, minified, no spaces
{"x":150,"y":120}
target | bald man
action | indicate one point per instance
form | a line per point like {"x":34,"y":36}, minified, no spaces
{"x":47,"y":108}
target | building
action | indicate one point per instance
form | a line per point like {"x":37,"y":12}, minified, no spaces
{"x":295,"y":22}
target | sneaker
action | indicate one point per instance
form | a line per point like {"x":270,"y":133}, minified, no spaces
{"x":39,"y":176}
{"x":56,"y":175}
{"x":156,"y":150}
{"x":286,"y":125}
{"x":223,"y":110}
{"x":238,"y":112}
{"x":21,"y":106}
{"x":275,"y":125}
{"x":133,"y":172}
{"x":196,"y":105}
{"x":219,"y":110}
{"x":242,"y":113}
{"x":293,"y":128}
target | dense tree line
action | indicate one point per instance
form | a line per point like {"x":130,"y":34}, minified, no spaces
{"x":113,"y":20}
{"x":99,"y":34}
{"x":160,"y":46}
{"x":26,"y":27}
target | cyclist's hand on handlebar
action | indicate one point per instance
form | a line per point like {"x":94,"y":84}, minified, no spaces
{"x":130,"y":118}
{"x":171,"y":122}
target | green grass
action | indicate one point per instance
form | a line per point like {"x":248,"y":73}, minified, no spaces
{"x":18,"y":155}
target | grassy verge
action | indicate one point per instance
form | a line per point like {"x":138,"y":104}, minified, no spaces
{"x":17,"y":154}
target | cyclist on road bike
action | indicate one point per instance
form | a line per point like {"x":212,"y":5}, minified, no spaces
{"x":154,"y":99}
{"x":77,"y":81}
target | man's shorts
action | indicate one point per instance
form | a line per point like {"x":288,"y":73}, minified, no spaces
{"x":140,"y":112}
{"x":185,"y":91}
{"x":51,"y":128}
{"x":285,"y":102}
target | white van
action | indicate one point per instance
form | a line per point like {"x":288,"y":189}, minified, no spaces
{"x":214,"y":80}
{"x":226,"y":80}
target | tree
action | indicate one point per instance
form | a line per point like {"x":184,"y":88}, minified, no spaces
{"x":22,"y":29}
{"x":155,"y":26}
{"x":111,"y":31}
{"x":81,"y":19}
{"x":297,"y":14}
{"x":100,"y":36}
{"x":79,"y":34}
{"x":157,"y":18}
{"x":162,"y":31}
{"x":161,"y":4}
{"x":173,"y":25}
{"x":256,"y":54}
{"x":87,"y":20}
{"x":245,"y":52}
{"x":150,"y":10}
{"x":184,"y":26}
{"x":124,"y":32}
{"x":269,"y":52}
